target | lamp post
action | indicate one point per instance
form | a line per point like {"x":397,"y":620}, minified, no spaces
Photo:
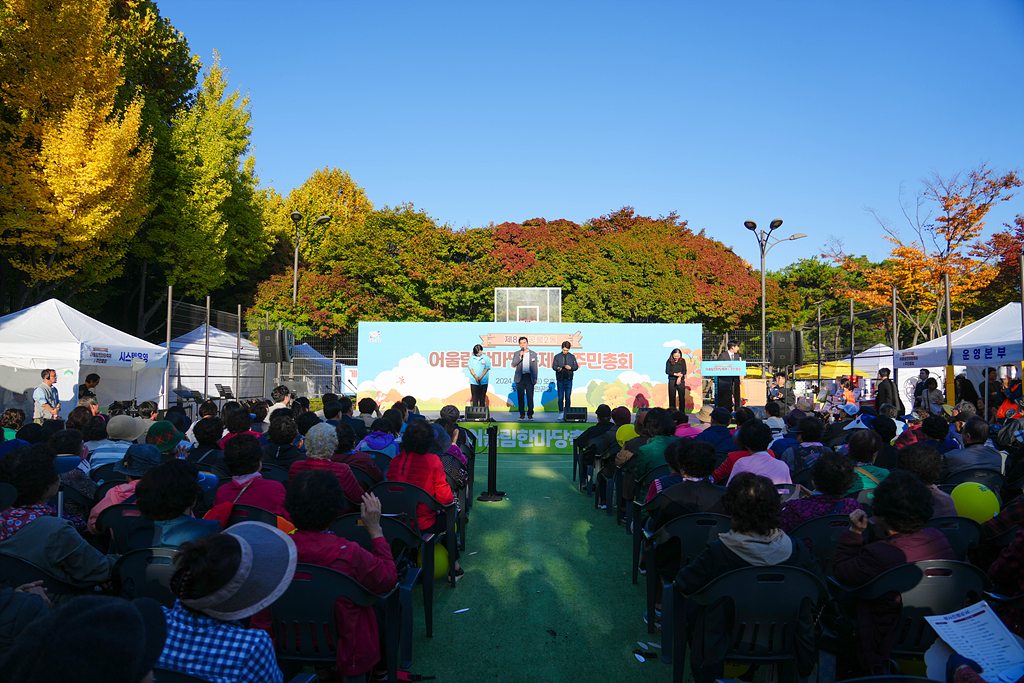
{"x":297,"y":218}
{"x":765,"y":244}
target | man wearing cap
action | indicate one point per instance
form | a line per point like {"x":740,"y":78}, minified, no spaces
{"x":138,"y":459}
{"x":166,"y":438}
{"x":808,"y":435}
{"x":47,"y":403}
{"x":975,"y":454}
{"x":91,"y":639}
{"x":122,"y":431}
{"x":836,"y":434}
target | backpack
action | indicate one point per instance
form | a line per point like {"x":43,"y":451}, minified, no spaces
{"x":802,"y":459}
{"x":1011,"y":434}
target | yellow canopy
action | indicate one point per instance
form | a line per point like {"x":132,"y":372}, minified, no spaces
{"x":830,"y":370}
{"x":753,"y":371}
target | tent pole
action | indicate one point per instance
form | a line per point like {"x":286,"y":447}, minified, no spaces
{"x":238,"y":355}
{"x":895,"y":346}
{"x":167,"y":367}
{"x":819,"y":354}
{"x":950,"y":391}
{"x":852,"y":345}
{"x":206,"y":355}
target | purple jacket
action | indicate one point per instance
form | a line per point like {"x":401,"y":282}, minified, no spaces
{"x":856,"y":563}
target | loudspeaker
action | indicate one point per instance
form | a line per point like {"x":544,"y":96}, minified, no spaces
{"x":787,"y":348}
{"x":575,"y":414}
{"x":276,"y":346}
{"x":478,"y":414}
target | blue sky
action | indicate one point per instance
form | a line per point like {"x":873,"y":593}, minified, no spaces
{"x":483,"y":111}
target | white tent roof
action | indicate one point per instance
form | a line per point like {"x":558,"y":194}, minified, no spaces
{"x":993,"y":340}
{"x":190,"y":370}
{"x":53,"y":331}
{"x":873,"y":358}
{"x":221,"y":342}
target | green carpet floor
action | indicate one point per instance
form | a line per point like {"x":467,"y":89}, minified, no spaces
{"x":548,"y":589}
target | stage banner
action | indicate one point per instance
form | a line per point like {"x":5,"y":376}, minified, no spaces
{"x":542,"y":438}
{"x":621,"y":364}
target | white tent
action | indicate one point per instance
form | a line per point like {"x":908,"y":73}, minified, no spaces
{"x":314,"y":369}
{"x":54,"y":335}
{"x":873,"y":358}
{"x":189,"y":366}
{"x":994,"y":340}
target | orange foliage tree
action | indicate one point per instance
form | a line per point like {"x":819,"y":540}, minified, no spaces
{"x":945,"y":221}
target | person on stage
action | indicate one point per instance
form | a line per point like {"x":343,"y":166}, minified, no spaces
{"x":525,"y":363}
{"x":729,"y":387}
{"x":480,"y":369}
{"x":675,"y":368}
{"x":564,"y":366}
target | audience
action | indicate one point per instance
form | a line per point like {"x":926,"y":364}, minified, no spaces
{"x":381,"y":438}
{"x":207,"y":452}
{"x":832,"y":475}
{"x":321,"y":443}
{"x":218,"y":580}
{"x":237,"y":423}
{"x":139,"y":459}
{"x":754,"y":437}
{"x":31,"y":529}
{"x":369,"y":412}
{"x":808,"y":435}
{"x":243,"y":457}
{"x":926,"y":462}
{"x":754,"y":541}
{"x":902,"y":507}
{"x":315,"y":501}
{"x":975,"y":454}
{"x":864,"y":447}
{"x":69,"y":443}
{"x":12,"y":420}
{"x":166,"y":496}
{"x":285,"y":444}
{"x":122,"y":431}
{"x":652,"y":454}
{"x":694,"y":461}
{"x":345,"y":453}
{"x":718,"y":434}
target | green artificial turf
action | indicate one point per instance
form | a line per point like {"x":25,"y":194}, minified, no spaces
{"x":549,"y":591}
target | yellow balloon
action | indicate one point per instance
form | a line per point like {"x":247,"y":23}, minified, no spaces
{"x":975,"y":501}
{"x":440,"y":561}
{"x":625,"y":433}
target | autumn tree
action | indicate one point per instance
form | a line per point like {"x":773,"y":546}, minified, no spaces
{"x":1002,"y":250}
{"x":944,"y":221}
{"x":73,"y":168}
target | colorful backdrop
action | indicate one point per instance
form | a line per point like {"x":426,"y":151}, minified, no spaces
{"x":621,"y":364}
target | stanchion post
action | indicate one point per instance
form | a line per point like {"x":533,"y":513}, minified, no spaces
{"x":492,"y":493}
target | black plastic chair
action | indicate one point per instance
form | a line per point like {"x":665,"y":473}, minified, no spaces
{"x":8,"y":494}
{"x":401,"y":497}
{"x":273,"y":473}
{"x":990,"y":478}
{"x":145,"y":573}
{"x":866,"y":498}
{"x":250,"y":513}
{"x":634,"y":515}
{"x":403,"y":542}
{"x":119,"y":522}
{"x":767,"y":605}
{"x":303,"y":617}
{"x":823,"y":535}
{"x":381,"y":460}
{"x":15,"y":571}
{"x":676,"y":544}
{"x":1004,"y":539}
{"x":463,"y":517}
{"x":926,"y":589}
{"x":105,"y":473}
{"x":364,"y":478}
{"x":587,"y":478}
{"x":962,"y":533}
{"x":803,"y":477}
{"x":73,"y":495}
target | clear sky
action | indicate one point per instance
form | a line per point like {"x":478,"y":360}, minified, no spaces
{"x":483,"y":111}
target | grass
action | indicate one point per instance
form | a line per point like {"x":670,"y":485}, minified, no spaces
{"x":548,"y":590}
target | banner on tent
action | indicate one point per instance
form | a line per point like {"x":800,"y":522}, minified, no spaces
{"x":621,"y":364}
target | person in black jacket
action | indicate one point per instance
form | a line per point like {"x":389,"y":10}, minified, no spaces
{"x":675,"y":368}
{"x":781,"y":393}
{"x":727,"y":394}
{"x":887,"y":392}
{"x":754,"y":541}
{"x":564,"y":364}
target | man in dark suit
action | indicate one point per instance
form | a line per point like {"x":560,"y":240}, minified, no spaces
{"x":345,"y":417}
{"x":887,"y":392}
{"x":728,"y":394}
{"x":525,"y":363}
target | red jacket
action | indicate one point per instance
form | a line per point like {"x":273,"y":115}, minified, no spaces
{"x":259,"y":492}
{"x":426,"y":471}
{"x":353,"y":491}
{"x":358,"y":638}
{"x":857,"y":563}
{"x":223,"y":442}
{"x":362,"y":461}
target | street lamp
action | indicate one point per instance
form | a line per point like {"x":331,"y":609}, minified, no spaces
{"x":765,"y":244}
{"x":297,"y":218}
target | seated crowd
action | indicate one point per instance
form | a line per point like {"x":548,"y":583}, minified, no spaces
{"x":163,"y":482}
{"x":772,"y":471}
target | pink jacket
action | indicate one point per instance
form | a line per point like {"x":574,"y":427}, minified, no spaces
{"x":115,"y":496}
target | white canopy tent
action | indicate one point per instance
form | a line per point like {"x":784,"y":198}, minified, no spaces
{"x":54,"y":335}
{"x":873,"y":358}
{"x":994,"y":340}
{"x":189,"y":369}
